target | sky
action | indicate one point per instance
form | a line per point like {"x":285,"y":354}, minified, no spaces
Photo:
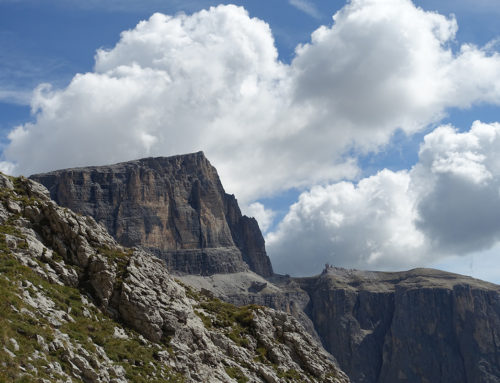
{"x":363,"y":134}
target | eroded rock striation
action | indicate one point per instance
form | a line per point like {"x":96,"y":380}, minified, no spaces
{"x":174,"y":207}
{"x":76,"y":305}
{"x":422,"y":325}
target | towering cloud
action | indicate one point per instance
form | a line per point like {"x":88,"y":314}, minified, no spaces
{"x":447,"y":204}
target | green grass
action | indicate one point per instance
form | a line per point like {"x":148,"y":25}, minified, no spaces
{"x":236,"y":373}
{"x":262,"y":356}
{"x":290,"y":375}
{"x":237,"y":321}
{"x":207,"y":322}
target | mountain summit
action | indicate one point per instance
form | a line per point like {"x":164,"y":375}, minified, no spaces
{"x":174,"y":207}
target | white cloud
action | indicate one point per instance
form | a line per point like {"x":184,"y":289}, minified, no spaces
{"x":6,"y":167}
{"x":306,"y":7}
{"x":263,"y":216}
{"x":212,"y":81}
{"x":458,"y":177}
{"x":446,"y":205}
{"x":387,"y":64}
{"x":367,"y":225}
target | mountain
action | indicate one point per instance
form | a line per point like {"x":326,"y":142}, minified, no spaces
{"x":421,"y":325}
{"x":76,"y":306}
{"x":417,"y":326}
{"x":174,"y":207}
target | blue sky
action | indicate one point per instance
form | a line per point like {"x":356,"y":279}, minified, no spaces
{"x":302,"y":128}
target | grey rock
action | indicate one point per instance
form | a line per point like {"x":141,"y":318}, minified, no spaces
{"x":13,"y":207}
{"x":8,"y":352}
{"x":423,"y":325}
{"x":207,"y":261}
{"x":120,"y":333}
{"x":101,"y":277}
{"x":6,"y":183}
{"x":41,"y":341}
{"x":15,"y":346}
{"x":134,"y":288}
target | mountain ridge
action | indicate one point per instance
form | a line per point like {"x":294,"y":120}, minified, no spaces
{"x":380,"y":326}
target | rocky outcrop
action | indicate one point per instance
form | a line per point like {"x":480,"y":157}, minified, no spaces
{"x":278,"y":292}
{"x":418,"y":326}
{"x":248,"y":238}
{"x":174,"y":207}
{"x":78,"y":305}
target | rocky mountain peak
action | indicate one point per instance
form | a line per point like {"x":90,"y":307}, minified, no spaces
{"x":174,"y":207}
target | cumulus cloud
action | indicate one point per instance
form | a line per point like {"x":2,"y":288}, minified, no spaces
{"x":458,"y":177}
{"x":388,"y":64}
{"x":446,"y":205}
{"x":365,"y":225}
{"x":212,"y":81}
{"x":6,"y":167}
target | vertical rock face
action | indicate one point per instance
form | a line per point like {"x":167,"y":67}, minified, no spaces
{"x":247,"y":236}
{"x":417,"y":326}
{"x":175,"y":207}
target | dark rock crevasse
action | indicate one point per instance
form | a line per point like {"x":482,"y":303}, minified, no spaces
{"x":174,"y":207}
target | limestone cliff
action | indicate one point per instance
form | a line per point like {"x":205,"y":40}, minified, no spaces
{"x":76,"y":306}
{"x":423,"y":325}
{"x":174,"y":207}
